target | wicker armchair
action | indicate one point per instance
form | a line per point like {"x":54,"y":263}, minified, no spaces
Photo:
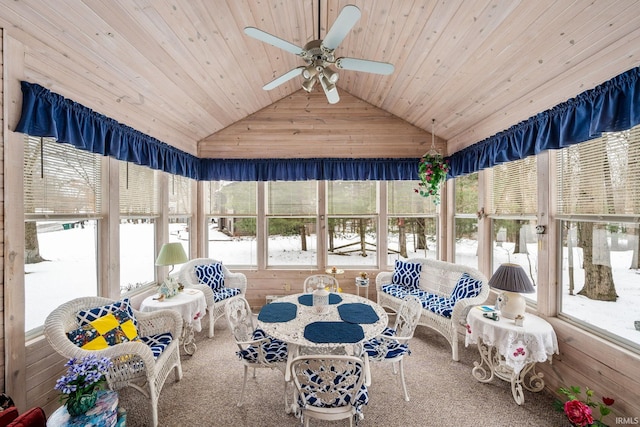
{"x":215,"y":310}
{"x":134,"y":364}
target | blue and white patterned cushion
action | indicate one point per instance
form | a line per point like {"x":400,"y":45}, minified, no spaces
{"x":467,"y":287}
{"x":385,"y":347}
{"x":224,"y":293}
{"x":85,"y":317}
{"x":274,"y":349}
{"x":441,"y":305}
{"x":307,"y":397}
{"x":398,"y":291}
{"x":158,"y":343}
{"x":210,"y":275}
{"x":407,"y":274}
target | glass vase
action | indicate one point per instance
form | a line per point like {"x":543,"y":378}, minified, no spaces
{"x":78,"y":404}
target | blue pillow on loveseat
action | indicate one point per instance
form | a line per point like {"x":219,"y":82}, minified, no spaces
{"x":407,"y":274}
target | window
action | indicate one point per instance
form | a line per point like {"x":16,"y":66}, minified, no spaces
{"x":232,"y":211}
{"x":291,"y":224}
{"x":352,"y":223}
{"x":139,"y":209}
{"x":598,"y":190}
{"x":411,"y":224}
{"x":466,"y":220}
{"x":514,"y":203}
{"x":180,"y":214}
{"x":62,"y":190}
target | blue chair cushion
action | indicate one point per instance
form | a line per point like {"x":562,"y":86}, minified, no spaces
{"x":308,"y":397}
{"x":224,"y":293}
{"x":158,"y":343}
{"x":407,"y":274}
{"x":210,"y":275}
{"x":385,"y":346}
{"x":467,"y":287}
{"x":274,"y":349}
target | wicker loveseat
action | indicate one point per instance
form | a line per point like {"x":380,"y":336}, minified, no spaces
{"x":446,"y":291}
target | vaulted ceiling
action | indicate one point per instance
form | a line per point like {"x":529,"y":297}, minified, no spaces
{"x":184,"y":70}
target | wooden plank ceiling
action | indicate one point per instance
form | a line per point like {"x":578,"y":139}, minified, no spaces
{"x":184,"y":72}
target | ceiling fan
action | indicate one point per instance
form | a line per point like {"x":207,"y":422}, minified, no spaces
{"x":319,"y":56}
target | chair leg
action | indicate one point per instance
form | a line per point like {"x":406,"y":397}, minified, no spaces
{"x":244,"y":384}
{"x":404,"y":384}
{"x":212,"y":320}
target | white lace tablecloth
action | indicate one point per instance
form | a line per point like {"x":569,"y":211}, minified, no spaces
{"x":190,"y":303}
{"x":292,"y":332}
{"x":533,"y":342}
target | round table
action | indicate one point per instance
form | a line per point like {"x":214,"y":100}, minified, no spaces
{"x":292,"y":331}
{"x":510,"y":352}
{"x":191,"y":304}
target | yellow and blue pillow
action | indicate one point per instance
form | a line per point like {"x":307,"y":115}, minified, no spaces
{"x":113,"y":328}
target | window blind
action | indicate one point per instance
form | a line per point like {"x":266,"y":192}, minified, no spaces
{"x":179,"y":195}
{"x":292,"y":198}
{"x":60,"y":179}
{"x":403,"y":200}
{"x":467,"y":193}
{"x":515,"y":187}
{"x":601,"y":176}
{"x":139,"y":190}
{"x":235,"y":198}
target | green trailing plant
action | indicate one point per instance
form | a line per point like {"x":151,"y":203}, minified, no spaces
{"x":432,"y":172}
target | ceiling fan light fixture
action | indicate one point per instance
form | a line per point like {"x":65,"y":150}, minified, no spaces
{"x":308,"y":84}
{"x":310,"y":71}
{"x":332,"y":76}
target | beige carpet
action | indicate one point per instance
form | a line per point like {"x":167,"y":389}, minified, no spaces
{"x":443,"y":392}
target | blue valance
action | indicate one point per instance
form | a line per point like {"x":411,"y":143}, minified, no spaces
{"x":609,"y":107}
{"x":309,"y":169}
{"x":47,"y":114}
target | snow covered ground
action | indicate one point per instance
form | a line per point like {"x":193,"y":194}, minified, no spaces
{"x":70,"y":271}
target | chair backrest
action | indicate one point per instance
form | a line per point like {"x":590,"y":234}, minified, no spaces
{"x":311,"y":282}
{"x":240,"y":319}
{"x":408,"y":316}
{"x":328,"y":380}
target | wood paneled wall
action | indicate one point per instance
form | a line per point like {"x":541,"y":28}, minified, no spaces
{"x":304,"y":125}
{"x":2,"y":133}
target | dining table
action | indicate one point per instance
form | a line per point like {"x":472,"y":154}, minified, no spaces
{"x":347,"y":321}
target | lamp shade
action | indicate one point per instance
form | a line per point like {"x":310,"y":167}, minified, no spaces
{"x":171,"y":254}
{"x":512,"y":278}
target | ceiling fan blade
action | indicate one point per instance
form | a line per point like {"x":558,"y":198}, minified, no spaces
{"x":348,"y":17}
{"x":364,"y":65}
{"x":283,"y":78}
{"x":331,"y":91}
{"x":272,"y":40}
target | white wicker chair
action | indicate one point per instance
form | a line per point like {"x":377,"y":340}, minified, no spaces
{"x":311,"y":282}
{"x":133,"y":362}
{"x":188,"y":278}
{"x":329,"y":387}
{"x":255,"y":350}
{"x":392,"y":345}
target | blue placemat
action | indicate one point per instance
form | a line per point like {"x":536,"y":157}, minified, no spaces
{"x":278,"y":312}
{"x":307,"y":299}
{"x":333,"y":332}
{"x":357,"y":313}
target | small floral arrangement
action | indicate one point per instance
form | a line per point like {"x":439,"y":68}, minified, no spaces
{"x":432,"y":171}
{"x":84,"y":377}
{"x":579,"y":412}
{"x":363,"y":275}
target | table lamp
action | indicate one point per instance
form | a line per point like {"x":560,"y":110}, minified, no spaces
{"x":170,"y":254}
{"x":512,"y":281}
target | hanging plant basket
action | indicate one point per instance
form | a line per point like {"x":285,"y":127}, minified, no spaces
{"x":432,"y":172}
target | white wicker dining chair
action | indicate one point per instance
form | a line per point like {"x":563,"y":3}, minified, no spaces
{"x":216,"y":300}
{"x":329,"y":387}
{"x":134,"y":363}
{"x":256,"y":349}
{"x":393,"y":343}
{"x":311,"y":283}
